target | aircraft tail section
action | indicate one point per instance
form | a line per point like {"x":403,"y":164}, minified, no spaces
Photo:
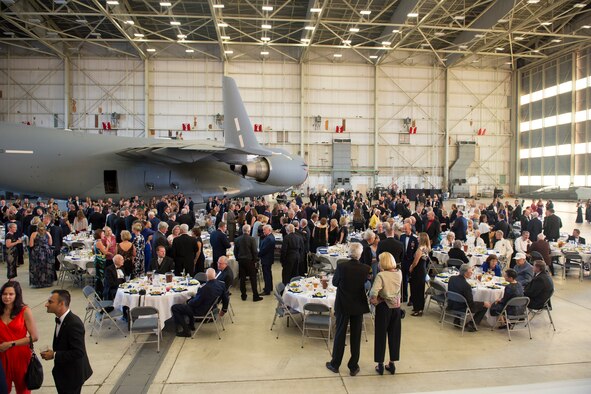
{"x":238,"y":131}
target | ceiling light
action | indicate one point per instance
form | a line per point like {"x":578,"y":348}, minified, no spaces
{"x":503,"y":20}
{"x":395,"y":31}
{"x":112,"y":2}
{"x":225,"y":37}
{"x":386,"y":43}
{"x":218,"y":6}
{"x":81,"y":21}
{"x":519,"y":38}
{"x":95,"y":34}
{"x":305,"y":40}
{"x":338,"y":55}
{"x":175,"y":23}
{"x":222,"y":24}
{"x":579,"y":5}
{"x":189,"y":50}
{"x":138,"y":35}
{"x":546,"y":23}
{"x":267,"y":26}
{"x":475,"y":61}
{"x":150,"y":50}
{"x":463,"y":46}
{"x":316,"y":10}
{"x":305,"y":27}
{"x":52,"y":33}
{"x":439,"y":34}
{"x":413,"y":15}
{"x":586,"y":27}
{"x":130,"y":22}
{"x":35,"y":20}
{"x":8,"y":33}
{"x":533,"y":1}
{"x":265,"y":39}
{"x":181,"y":36}
{"x":479,"y":35}
{"x":354,"y":30}
{"x":267,"y":8}
{"x":373,"y":56}
{"x":459,"y":17}
{"x":509,"y":63}
{"x":165,"y":4}
{"x":228,"y":52}
{"x":536,"y":50}
{"x":499,"y":49}
{"x":347,"y":42}
{"x":264,"y":53}
{"x":365,"y":12}
{"x":556,"y":40}
{"x":58,"y":1}
{"x":424,"y":44}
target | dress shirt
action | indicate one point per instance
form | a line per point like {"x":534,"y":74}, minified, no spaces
{"x":61,"y":319}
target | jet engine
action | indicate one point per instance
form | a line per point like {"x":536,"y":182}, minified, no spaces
{"x":279,"y":169}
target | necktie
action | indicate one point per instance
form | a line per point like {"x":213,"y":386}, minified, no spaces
{"x":57,"y":321}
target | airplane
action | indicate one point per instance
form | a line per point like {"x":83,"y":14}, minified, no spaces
{"x":61,"y":163}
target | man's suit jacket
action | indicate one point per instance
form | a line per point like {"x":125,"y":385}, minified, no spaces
{"x":366,"y":256}
{"x":581,"y":240}
{"x":433,"y":231}
{"x":267,"y":250}
{"x":291,"y":249}
{"x":219,"y":244}
{"x":524,"y":223}
{"x":393,"y":246}
{"x":458,"y":284}
{"x":206,"y":296}
{"x":459,"y":228}
{"x":516,"y":214}
{"x":504,"y":227}
{"x":534,"y":227}
{"x":188,"y":219}
{"x":245,"y":248}
{"x":543,"y":248}
{"x":183,"y":251}
{"x":71,"y":366}
{"x":455,"y":253}
{"x":129,"y":222}
{"x":552,"y":225}
{"x":157,"y":240}
{"x":226,"y":276}
{"x":154,"y":222}
{"x":112,"y":282}
{"x":539,"y":290}
{"x":167,"y":265}
{"x":410,"y":249}
{"x":349,"y":279}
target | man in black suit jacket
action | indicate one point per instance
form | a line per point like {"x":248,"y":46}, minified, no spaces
{"x":391,"y":245}
{"x":225,"y":274}
{"x":540,"y":288}
{"x":71,"y":367}
{"x":502,"y":225}
{"x":552,"y":225}
{"x":159,"y":238}
{"x":161,"y":264}
{"x":291,"y":251}
{"x":432,"y":228}
{"x":114,"y":277}
{"x":187,"y":218}
{"x":458,"y":284}
{"x":219,"y":243}
{"x":576,"y":237}
{"x":267,"y":256}
{"x":534,"y":226}
{"x":246,"y":252}
{"x":183,"y":251}
{"x":350,"y":305}
{"x":411,"y":244}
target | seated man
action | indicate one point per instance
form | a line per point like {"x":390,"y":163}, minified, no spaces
{"x":525,"y":271}
{"x":162,"y":263}
{"x":458,"y":284}
{"x":576,"y":237}
{"x":504,"y":247}
{"x":457,"y":253}
{"x":200,"y":304}
{"x":224,"y":274}
{"x":540,"y":287}
{"x":114,"y":277}
{"x":512,"y":290}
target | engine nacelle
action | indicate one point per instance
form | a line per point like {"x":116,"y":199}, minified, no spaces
{"x":278,"y":170}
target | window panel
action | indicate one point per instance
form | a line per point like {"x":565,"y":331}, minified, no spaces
{"x":535,"y":166}
{"x":550,"y":136}
{"x":525,"y":83}
{"x":550,"y":75}
{"x":563,"y":165}
{"x":524,"y":113}
{"x":535,"y":138}
{"x":536,"y":80}
{"x":565,"y":72}
{"x":524,"y":140}
{"x":524,"y":167}
{"x":580,"y":164}
{"x":564,"y":134}
{"x":550,"y":107}
{"x":549,"y":165}
{"x":536,"y":109}
{"x":565,"y":101}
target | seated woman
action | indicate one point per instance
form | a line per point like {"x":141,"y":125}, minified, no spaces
{"x":512,"y":290}
{"x":457,"y":253}
{"x":491,"y":265}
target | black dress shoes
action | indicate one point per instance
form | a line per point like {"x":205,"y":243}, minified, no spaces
{"x":257,"y":299}
{"x":331,"y":368}
{"x":266,"y":293}
{"x":243,"y":296}
{"x":354,"y":372}
{"x":391,"y":368}
{"x":183,"y":334}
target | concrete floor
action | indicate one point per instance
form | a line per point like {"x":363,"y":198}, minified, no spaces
{"x":250,"y":359}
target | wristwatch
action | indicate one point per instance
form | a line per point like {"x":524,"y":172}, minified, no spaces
{"x":13,"y":344}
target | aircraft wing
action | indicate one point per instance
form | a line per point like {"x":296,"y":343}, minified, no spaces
{"x":185,"y":153}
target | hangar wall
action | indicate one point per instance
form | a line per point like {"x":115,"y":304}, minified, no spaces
{"x":293,"y":102}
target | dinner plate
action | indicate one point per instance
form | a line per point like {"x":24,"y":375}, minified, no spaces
{"x":318,"y":296}
{"x":297,"y":291}
{"x":323,"y":252}
{"x":334,"y":254}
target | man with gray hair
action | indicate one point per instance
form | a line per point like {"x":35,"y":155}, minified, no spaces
{"x":267,"y":256}
{"x":459,"y":284}
{"x":291,"y":252}
{"x":159,"y":238}
{"x":350,"y":305}
{"x":245,"y":250}
{"x":183,"y":251}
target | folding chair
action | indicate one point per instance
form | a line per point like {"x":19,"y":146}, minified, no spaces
{"x":434,"y":267}
{"x":326,"y":264}
{"x":573,"y":260}
{"x":463,"y":315}
{"x":316,"y":317}
{"x":282,"y":309}
{"x":456,"y":263}
{"x":435,"y":292}
{"x":89,"y":291}
{"x":145,"y":320}
{"x":519,"y":315}
{"x":89,"y":279}
{"x":101,"y":313}
{"x":260,"y":278}
{"x":210,"y":316}
{"x":546,"y":307}
{"x":77,"y":245}
{"x":230,"y":309}
{"x":68,"y":270}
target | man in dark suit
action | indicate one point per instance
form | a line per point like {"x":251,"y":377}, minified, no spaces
{"x":460,"y":226}
{"x":432,"y":228}
{"x":187,"y":218}
{"x":323,"y":210}
{"x":159,"y":238}
{"x":129,"y":219}
{"x":552,"y":225}
{"x":200,"y":304}
{"x":534,"y":226}
{"x":540,"y":287}
{"x":576,"y":237}
{"x":114,"y":277}
{"x":391,"y":245}
{"x":410,"y":243}
{"x":524,"y":219}
{"x":171,"y":223}
{"x":502,"y":225}
{"x":183,"y":251}
{"x":267,"y":256}
{"x":291,"y":251}
{"x":219,"y":243}
{"x":162,"y":264}
{"x":225,"y":274}
{"x":71,"y":367}
{"x":350,"y":305}
{"x":245,"y":250}
{"x":458,"y":284}
{"x":154,"y":221}
{"x":334,"y":213}
{"x":516,"y":212}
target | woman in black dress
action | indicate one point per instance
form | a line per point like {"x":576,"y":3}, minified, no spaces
{"x":333,"y":232}
{"x":344,"y":230}
{"x":418,"y":271}
{"x":579,"y":212}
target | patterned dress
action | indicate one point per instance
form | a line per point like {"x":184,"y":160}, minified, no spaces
{"x":41,"y":273}
{"x":99,"y":265}
{"x":139,"y":260}
{"x":11,"y":256}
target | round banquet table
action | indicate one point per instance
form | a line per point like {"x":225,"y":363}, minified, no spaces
{"x":482,"y":292}
{"x":298,"y":300}
{"x":161,"y":302}
{"x":475,"y":258}
{"x":81,"y":259}
{"x":334,"y":253}
{"x":87,"y":240}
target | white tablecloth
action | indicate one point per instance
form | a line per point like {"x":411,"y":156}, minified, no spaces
{"x":80,"y":261}
{"x":334,"y":253}
{"x":82,"y":237}
{"x":298,"y":300}
{"x":475,"y":259}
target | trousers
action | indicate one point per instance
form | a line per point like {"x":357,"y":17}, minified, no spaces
{"x":338,"y":349}
{"x":248,"y":268}
{"x":387,"y":326}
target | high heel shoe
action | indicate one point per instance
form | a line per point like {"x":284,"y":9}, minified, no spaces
{"x":391,"y":368}
{"x":380,"y":368}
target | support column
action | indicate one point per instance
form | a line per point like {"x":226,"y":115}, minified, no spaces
{"x":514,"y":167}
{"x":146,"y":98}
{"x":445,"y":185}
{"x":67,"y":93}
{"x":375,"y":126}
{"x":302,"y":108}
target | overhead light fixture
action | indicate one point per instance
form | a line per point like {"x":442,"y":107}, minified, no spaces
{"x":475,"y":61}
{"x":556,"y":40}
{"x":35,"y":20}
{"x":305,"y":27}
{"x":264,"y":53}
{"x":346,"y":42}
{"x":463,"y":46}
{"x":265,"y":39}
{"x":315,"y":10}
{"x":536,"y":50}
{"x":189,"y":50}
{"x":228,"y":52}
{"x":533,"y":1}
{"x":338,"y":55}
{"x":305,"y":40}
{"x":81,"y":21}
{"x":112,"y":2}
{"x":175,"y":23}
{"x":503,"y":20}
{"x":579,"y":5}
{"x":8,"y":33}
{"x":218,"y":6}
{"x":222,"y":24}
{"x":546,"y":23}
{"x":17,"y":151}
{"x":56,"y":1}
{"x":413,"y":15}
{"x":424,"y":44}
{"x":138,"y":35}
{"x":459,"y":17}
{"x":225,"y":37}
{"x":499,"y":49}
{"x":509,"y":63}
{"x":519,"y":38}
{"x":479,"y":35}
{"x":267,"y":8}
{"x":439,"y":34}
{"x":354,"y":30}
{"x":181,"y":36}
{"x":395,"y":31}
{"x":373,"y":56}
{"x":266,"y":26}
{"x":129,"y":22}
{"x":51,"y":33}
{"x":165,"y":4}
{"x":95,"y":34}
{"x":386,"y":43}
{"x":150,"y":50}
{"x":586,"y":27}
{"x":365,"y":12}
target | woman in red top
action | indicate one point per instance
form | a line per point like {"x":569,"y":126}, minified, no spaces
{"x":17,"y":321}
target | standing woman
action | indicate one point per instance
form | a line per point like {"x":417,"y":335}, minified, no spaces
{"x":110,"y":241}
{"x":12,"y":240}
{"x":418,"y":271}
{"x":385,"y":295}
{"x":199,"y":256}
{"x":333,"y":232}
{"x":320,"y":234}
{"x":588,"y":211}
{"x":148,"y":234}
{"x":358,"y":220}
{"x":100,"y":251}
{"x":126,"y":249}
{"x":41,"y":273}
{"x":579,"y":212}
{"x":344,"y":230}
{"x":484,"y":229}
{"x":17,"y":321}
{"x":139,"y":244}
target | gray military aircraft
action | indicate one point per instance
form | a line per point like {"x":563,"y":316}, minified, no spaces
{"x":61,"y":163}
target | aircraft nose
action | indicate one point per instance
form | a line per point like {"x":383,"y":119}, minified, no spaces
{"x":303,"y":172}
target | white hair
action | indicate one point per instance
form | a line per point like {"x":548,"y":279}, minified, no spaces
{"x":184,"y":228}
{"x":246,"y":229}
{"x":355,"y":250}
{"x":210,"y":273}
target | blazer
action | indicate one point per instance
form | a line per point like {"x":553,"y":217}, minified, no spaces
{"x":206,"y":296}
{"x":534,"y":227}
{"x":504,"y":227}
{"x":226,"y":276}
{"x":349,"y":279}
{"x":455,"y":253}
{"x":580,"y":241}
{"x":245,"y":248}
{"x":112,"y":282}
{"x":219,"y":244}
{"x":552,"y":225}
{"x":166,"y":266}
{"x":458,"y":284}
{"x":291,"y":249}
{"x":539,"y":290}
{"x":543,"y":248}
{"x":433,"y":231}
{"x":366,"y":255}
{"x":459,"y":228}
{"x":267,"y":250}
{"x":410,"y":249}
{"x":183,"y":251}
{"x":71,"y":366}
{"x":392,"y":246}
{"x":157,"y":240}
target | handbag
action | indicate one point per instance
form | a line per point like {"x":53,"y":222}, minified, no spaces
{"x":34,"y":375}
